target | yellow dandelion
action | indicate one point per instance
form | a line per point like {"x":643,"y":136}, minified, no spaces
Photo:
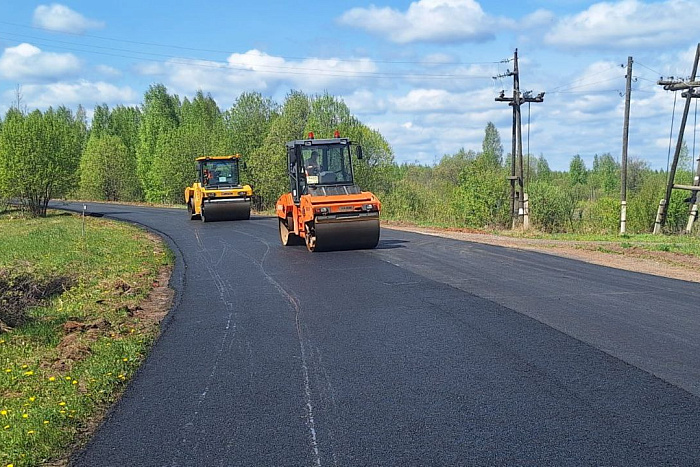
{"x":31,"y":432}
{"x":3,"y":412}
{"x":6,"y":427}
{"x":52,"y":378}
{"x":63,"y":411}
{"x":8,"y":370}
{"x":28,"y":373}
{"x":125,"y":359}
{"x":132,"y":330}
{"x":68,"y":378}
{"x":10,"y":465}
{"x":32,"y":399}
{"x":25,"y":366}
{"x":75,"y":381}
{"x":2,"y":341}
{"x":61,"y":403}
{"x":46,"y":422}
{"x":25,"y":415}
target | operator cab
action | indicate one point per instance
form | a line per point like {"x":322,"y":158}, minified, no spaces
{"x":321,"y":167}
{"x":327,"y":164}
{"x":218,"y":173}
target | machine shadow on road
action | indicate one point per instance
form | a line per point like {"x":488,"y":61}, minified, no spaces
{"x":390,"y":244}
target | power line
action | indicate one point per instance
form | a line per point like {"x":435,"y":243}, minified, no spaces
{"x":658,"y":73}
{"x":194,"y":49}
{"x":586,"y":84}
{"x":583,"y":78}
{"x":270,"y":69}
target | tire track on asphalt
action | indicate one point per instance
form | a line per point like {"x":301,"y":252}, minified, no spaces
{"x":223,"y":288}
{"x":295,"y":304}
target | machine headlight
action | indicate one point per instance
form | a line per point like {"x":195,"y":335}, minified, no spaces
{"x":368,"y":207}
{"x":324,"y":210}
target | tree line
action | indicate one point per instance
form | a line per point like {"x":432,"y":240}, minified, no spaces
{"x":146,"y":153}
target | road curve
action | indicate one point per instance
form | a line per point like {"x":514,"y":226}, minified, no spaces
{"x":425,"y":351}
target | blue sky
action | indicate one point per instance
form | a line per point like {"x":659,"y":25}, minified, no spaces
{"x":419,"y":72}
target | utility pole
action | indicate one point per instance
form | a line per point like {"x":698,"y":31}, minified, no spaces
{"x":693,"y":216}
{"x":673,"y":85}
{"x":625,"y":141}
{"x":516,"y":101}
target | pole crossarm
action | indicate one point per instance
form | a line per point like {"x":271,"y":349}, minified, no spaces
{"x":690,"y":93}
{"x":516,"y":177}
{"x":677,"y":85}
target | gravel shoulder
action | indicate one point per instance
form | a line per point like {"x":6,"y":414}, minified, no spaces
{"x":611,"y":254}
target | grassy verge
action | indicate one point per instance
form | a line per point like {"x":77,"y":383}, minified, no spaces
{"x":73,"y":353}
{"x":682,"y":244}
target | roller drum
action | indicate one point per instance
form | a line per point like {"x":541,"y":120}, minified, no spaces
{"x":225,"y":210}
{"x":346,"y":235}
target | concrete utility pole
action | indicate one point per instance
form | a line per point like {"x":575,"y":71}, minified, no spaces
{"x":625,"y":140}
{"x":671,"y":85}
{"x":516,"y":101}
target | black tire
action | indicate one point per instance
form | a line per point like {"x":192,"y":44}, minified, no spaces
{"x":190,"y":209}
{"x":286,"y":237}
{"x":203,"y":215}
{"x":310,"y":240}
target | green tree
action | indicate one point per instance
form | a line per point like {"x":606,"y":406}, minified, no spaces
{"x":605,"y":175}
{"x":201,"y":133}
{"x":542,"y":169}
{"x":492,"y":149}
{"x":107,"y":171}
{"x":451,"y":166}
{"x":482,"y":198}
{"x":160,"y":114}
{"x":578,"y":174}
{"x":39,"y":158}
{"x":267,"y":165}
{"x":100,"y":121}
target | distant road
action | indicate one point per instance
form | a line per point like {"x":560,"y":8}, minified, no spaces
{"x":424,"y":352}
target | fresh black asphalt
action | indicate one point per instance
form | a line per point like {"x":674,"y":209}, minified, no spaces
{"x":423,"y":352}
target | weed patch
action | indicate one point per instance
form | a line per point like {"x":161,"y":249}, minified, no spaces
{"x":21,"y":291}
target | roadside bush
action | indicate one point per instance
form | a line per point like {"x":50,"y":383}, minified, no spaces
{"x":551,"y":207}
{"x":601,"y":216}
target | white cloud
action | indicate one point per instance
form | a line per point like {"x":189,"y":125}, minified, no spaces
{"x":255,"y":70}
{"x":27,"y":63}
{"x":441,"y":21}
{"x":441,"y":101}
{"x":108,"y":71}
{"x":628,"y":24}
{"x":365,"y":102}
{"x":537,"y":19}
{"x":83,"y":92}
{"x":57,"y":17}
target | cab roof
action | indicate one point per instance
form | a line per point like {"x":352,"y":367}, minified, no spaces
{"x":318,"y":142}
{"x":218,"y":158}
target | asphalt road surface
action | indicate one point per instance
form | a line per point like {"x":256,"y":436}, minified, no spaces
{"x":423,"y":352}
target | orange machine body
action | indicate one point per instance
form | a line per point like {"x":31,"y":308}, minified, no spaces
{"x":325,"y":209}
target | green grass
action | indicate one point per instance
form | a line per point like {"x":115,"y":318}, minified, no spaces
{"x":52,"y":385}
{"x":684,"y":244}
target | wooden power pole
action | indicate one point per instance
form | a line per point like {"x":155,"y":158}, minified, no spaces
{"x":690,"y":94}
{"x":625,"y":141}
{"x":516,"y":101}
